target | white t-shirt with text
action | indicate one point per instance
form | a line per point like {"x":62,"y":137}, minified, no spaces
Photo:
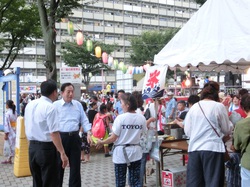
{"x":129,"y":128}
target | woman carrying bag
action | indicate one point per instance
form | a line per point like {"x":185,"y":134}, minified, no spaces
{"x":206,"y":124}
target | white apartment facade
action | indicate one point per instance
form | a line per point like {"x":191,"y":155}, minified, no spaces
{"x":108,"y":21}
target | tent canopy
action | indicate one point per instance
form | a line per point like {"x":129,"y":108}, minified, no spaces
{"x":217,"y":37}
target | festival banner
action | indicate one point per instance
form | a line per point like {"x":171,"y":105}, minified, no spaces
{"x":154,"y":82}
{"x":27,"y":89}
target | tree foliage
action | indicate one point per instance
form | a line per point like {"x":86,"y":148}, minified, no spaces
{"x":78,"y":56}
{"x":201,"y":2}
{"x":148,"y":44}
{"x":17,"y":27}
{"x":50,"y":12}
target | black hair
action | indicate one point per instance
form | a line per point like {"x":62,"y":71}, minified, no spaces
{"x":192,"y":99}
{"x":242,"y":92}
{"x":103,"y":107}
{"x":245,"y":102}
{"x":237,"y":96}
{"x":121,"y":91}
{"x":211,"y":91}
{"x":48,"y":87}
{"x":129,"y":99}
{"x":109,"y":106}
{"x":94,"y":97}
{"x":92,"y":104}
{"x":84,"y":105}
{"x":138,"y":97}
{"x":11,"y":105}
{"x":182,"y":102}
{"x":64,"y":85}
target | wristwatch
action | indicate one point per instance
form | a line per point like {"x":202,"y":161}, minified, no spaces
{"x":89,"y":132}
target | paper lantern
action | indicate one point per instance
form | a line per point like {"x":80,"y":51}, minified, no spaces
{"x":137,"y":70}
{"x":110,"y":60}
{"x":130,"y":69}
{"x":124,"y":69}
{"x":141,"y":69}
{"x":187,"y":83}
{"x":115,"y":64}
{"x":104,"y":57}
{"x":134,"y":70}
{"x":90,"y":74}
{"x":70,"y":28}
{"x":121,"y":65}
{"x":89,"y":45}
{"x":64,"y":20}
{"x":79,"y":38}
{"x":98,"y":51}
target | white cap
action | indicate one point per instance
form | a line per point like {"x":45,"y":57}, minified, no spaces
{"x":170,"y":93}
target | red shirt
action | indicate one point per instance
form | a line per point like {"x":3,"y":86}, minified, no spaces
{"x":240,"y":111}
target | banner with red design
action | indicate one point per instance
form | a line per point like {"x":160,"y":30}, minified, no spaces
{"x":154,"y":82}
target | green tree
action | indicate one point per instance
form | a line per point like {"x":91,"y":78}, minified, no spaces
{"x":78,"y":56}
{"x":201,"y":2}
{"x":148,"y":44}
{"x":50,"y":12}
{"x":17,"y":28}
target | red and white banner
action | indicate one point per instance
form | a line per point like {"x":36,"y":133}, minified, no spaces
{"x":154,"y":82}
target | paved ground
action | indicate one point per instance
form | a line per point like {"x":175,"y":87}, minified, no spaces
{"x":98,"y":172}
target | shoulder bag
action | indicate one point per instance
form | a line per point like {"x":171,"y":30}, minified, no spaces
{"x":147,"y":113}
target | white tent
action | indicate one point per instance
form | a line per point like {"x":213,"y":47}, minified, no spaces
{"x":217,"y":37}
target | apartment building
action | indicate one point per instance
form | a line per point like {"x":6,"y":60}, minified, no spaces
{"x":108,"y":21}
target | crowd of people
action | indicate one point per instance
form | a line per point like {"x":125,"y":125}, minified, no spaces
{"x":62,"y":131}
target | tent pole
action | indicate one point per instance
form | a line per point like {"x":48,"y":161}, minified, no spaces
{"x":175,"y":82}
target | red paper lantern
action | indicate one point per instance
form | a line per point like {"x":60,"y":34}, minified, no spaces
{"x":79,"y":38}
{"x":104,"y":57}
{"x":98,"y":52}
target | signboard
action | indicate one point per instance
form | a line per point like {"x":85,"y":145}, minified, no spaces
{"x":27,"y":89}
{"x":154,"y":82}
{"x":70,"y":74}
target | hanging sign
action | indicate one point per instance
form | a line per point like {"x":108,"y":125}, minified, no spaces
{"x":154,"y":82}
{"x":70,"y":74}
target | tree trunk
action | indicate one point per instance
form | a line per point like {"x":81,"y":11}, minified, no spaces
{"x":49,"y":36}
{"x":86,"y":80}
{"x":50,"y":54}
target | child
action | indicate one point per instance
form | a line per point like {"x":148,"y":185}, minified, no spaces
{"x":233,"y":178}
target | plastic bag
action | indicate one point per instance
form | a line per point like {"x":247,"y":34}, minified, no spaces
{"x":163,"y":120}
{"x":6,"y":148}
{"x":146,"y":140}
{"x":155,"y":151}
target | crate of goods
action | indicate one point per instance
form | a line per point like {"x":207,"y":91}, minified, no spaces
{"x":174,"y":177}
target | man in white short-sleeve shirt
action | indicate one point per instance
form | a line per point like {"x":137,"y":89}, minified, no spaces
{"x":42,"y":131}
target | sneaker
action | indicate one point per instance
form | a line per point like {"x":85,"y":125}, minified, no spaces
{"x":6,"y":162}
{"x":107,"y":155}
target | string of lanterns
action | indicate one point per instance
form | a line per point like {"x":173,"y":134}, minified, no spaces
{"x":106,"y":58}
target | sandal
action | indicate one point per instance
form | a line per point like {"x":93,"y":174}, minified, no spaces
{"x":85,"y":161}
{"x":6,"y":162}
